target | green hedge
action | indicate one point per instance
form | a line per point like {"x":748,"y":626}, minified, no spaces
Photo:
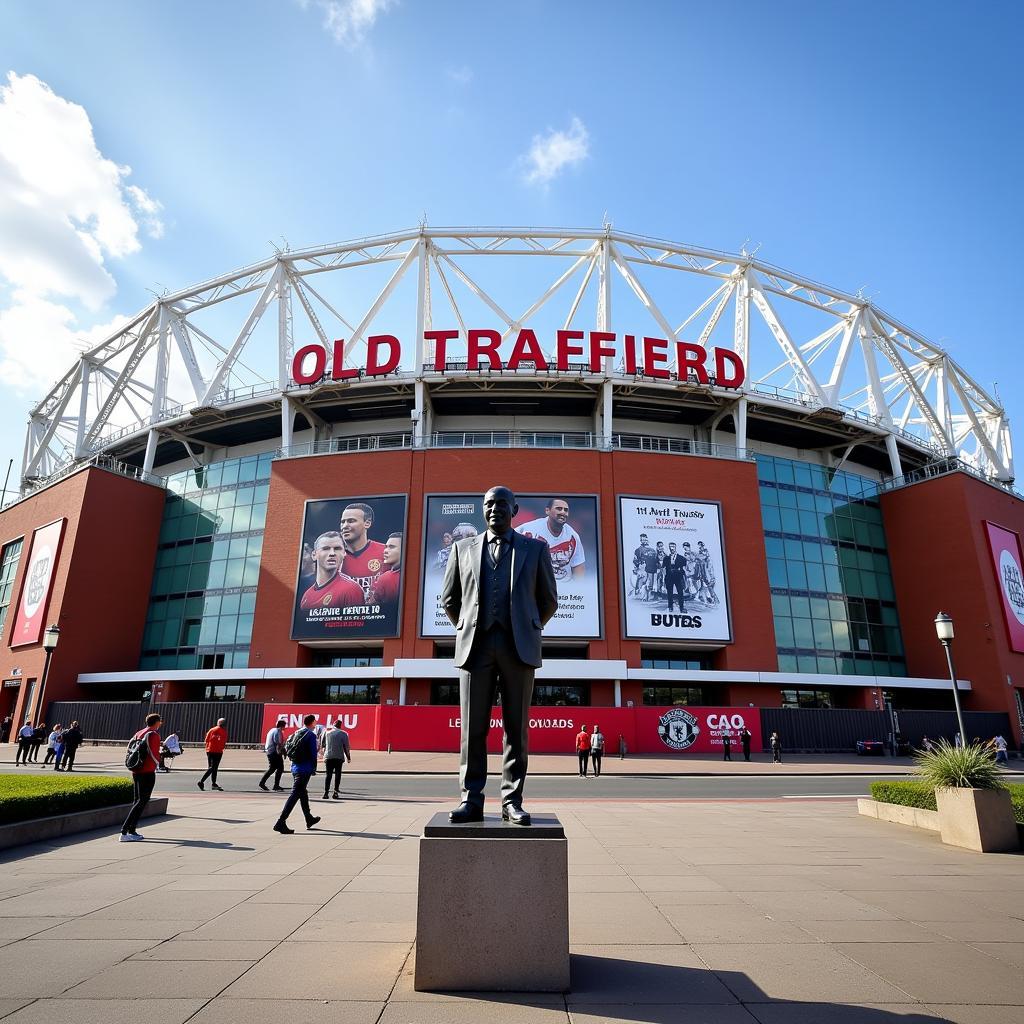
{"x":24,"y":797}
{"x":912,"y":793}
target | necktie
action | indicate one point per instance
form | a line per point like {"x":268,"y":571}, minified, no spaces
{"x":495,"y":547}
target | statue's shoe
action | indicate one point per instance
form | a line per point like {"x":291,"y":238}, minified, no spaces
{"x":465,"y":812}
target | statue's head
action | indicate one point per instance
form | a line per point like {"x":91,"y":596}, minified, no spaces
{"x":499,"y":509}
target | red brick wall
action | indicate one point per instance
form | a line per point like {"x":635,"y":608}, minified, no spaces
{"x":101,"y":585}
{"x":941,"y":562}
{"x":295,"y":481}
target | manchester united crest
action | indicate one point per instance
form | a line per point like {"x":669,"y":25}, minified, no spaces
{"x":678,"y":729}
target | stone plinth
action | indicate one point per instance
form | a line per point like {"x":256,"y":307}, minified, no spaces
{"x":493,"y":907}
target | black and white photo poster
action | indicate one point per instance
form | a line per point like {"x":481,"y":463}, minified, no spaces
{"x":672,"y":570}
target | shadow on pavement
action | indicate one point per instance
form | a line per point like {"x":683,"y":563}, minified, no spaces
{"x":613,"y":989}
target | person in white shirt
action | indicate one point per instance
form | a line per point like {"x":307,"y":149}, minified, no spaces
{"x":567,"y":556}
{"x":274,"y":747}
{"x":52,"y":742}
{"x":25,"y":735}
{"x":999,"y":742}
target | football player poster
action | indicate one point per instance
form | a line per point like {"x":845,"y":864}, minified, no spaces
{"x":672,"y":570}
{"x":350,"y":569}
{"x":567,"y":522}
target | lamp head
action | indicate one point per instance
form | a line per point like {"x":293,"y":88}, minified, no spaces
{"x":50,"y":637}
{"x":944,"y":627}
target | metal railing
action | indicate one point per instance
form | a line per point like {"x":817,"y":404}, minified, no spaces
{"x":104,"y":462}
{"x":544,"y":439}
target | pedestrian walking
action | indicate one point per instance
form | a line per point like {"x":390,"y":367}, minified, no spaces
{"x":926,"y":744}
{"x":318,"y":730}
{"x":583,"y":749}
{"x":776,"y":745}
{"x":745,"y":739}
{"x":336,"y":752}
{"x":302,"y":749}
{"x":141,"y":760}
{"x":38,"y":739}
{"x":622,"y":747}
{"x":274,"y":747}
{"x":25,"y":734}
{"x":72,"y":741}
{"x":51,"y":744}
{"x":958,"y":740}
{"x":216,"y":741}
{"x":5,"y":729}
{"x":1000,"y":745}
{"x":58,"y":750}
{"x":596,"y":750}
{"x":726,"y":746}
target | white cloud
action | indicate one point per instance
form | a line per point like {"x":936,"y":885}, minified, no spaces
{"x":349,"y":21}
{"x":460,"y":76}
{"x":552,"y":153}
{"x":65,"y":209}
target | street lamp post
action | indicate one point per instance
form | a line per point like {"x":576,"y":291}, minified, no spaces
{"x":944,"y":631}
{"x":50,"y":638}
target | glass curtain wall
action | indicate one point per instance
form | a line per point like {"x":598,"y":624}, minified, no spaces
{"x":828,"y":567}
{"x":208,"y":559}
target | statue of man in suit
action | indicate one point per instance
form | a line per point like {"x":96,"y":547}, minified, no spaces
{"x":499,"y":591}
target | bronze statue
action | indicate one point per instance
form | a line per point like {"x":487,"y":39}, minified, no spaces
{"x":499,"y":591}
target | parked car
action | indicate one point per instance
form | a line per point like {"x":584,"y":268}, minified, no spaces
{"x":868,"y":748}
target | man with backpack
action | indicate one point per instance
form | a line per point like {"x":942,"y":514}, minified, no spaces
{"x":302,"y":749}
{"x":141,"y":759}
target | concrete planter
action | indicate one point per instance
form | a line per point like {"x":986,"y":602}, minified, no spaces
{"x":977,"y":819}
{"x":39,"y":830}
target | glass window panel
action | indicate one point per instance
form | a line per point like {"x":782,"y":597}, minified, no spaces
{"x":822,"y":634}
{"x":229,"y":472}
{"x":248,"y":603}
{"x":805,"y":501}
{"x":797,"y":575}
{"x":226,"y":626}
{"x":220,"y":548}
{"x":809,"y":524}
{"x":784,"y":632}
{"x":803,"y":634}
{"x":801,"y":607}
{"x":833,"y":581}
{"x":889,"y":617}
{"x":885,"y":589}
{"x":217,"y":574}
{"x":877,"y":536}
{"x":774,"y":547}
{"x":171,"y":632}
{"x":870,"y":587}
{"x":229,"y":604}
{"x":851,"y":582}
{"x":787,"y":663}
{"x":819,"y":608}
{"x":245,"y":496}
{"x":765,"y":468}
{"x":251,"y":574}
{"x":780,"y":604}
{"x":247,"y":469}
{"x":244,"y":632}
{"x":777,"y":576}
{"x":234,"y":572}
{"x":771,"y":518}
{"x":236,"y":548}
{"x":802,"y":474}
{"x":816,"y":577}
{"x":259,"y":517}
{"x":807,"y":663}
{"x":827,"y":665}
{"x":794,"y":550}
{"x":199,"y":576}
{"x":811,"y":551}
{"x":784,"y":471}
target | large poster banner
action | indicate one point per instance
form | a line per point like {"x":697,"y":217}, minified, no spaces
{"x":37,"y":584}
{"x":350,"y":569}
{"x":567,"y":523}
{"x":672,"y":570}
{"x":1005,"y":547}
{"x":358,"y":720}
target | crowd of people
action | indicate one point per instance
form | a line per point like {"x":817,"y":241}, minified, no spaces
{"x":61,"y":744}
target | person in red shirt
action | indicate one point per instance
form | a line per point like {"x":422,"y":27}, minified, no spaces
{"x":388,"y":584}
{"x":216,"y":741}
{"x":583,"y":750}
{"x":143,"y":778}
{"x":364,"y":558}
{"x":331,"y":588}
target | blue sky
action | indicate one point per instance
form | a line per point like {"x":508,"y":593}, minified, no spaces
{"x":861,"y":144}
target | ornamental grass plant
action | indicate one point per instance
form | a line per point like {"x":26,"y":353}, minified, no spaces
{"x":971,"y":766}
{"x":25,"y":797}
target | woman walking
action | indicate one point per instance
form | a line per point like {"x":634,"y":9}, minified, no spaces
{"x":776,"y":745}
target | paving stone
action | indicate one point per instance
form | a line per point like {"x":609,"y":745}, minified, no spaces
{"x":168,"y":906}
{"x":977,"y":1014}
{"x":255,"y":921}
{"x":815,"y":906}
{"x":207,"y":949}
{"x":223,"y":883}
{"x":472,"y":1013}
{"x":8,"y":1006}
{"x":14,"y":928}
{"x":618,"y":917}
{"x":300,"y":888}
{"x":246,"y":1011}
{"x":369,"y":917}
{"x":667,"y":1013}
{"x":160,"y":979}
{"x":46,"y":967}
{"x":324,"y":970}
{"x":732,"y":924}
{"x":793,"y":973}
{"x":837,"y":1013}
{"x":939,"y":972}
{"x":93,"y":927}
{"x":869,"y":931}
{"x":105,"y":1011}
{"x":997,"y":929}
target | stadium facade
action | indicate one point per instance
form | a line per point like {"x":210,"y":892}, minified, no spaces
{"x":758,"y":492}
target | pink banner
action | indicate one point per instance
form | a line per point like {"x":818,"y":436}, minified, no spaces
{"x":553,"y":730}
{"x":37,"y":584}
{"x":1006,"y":558}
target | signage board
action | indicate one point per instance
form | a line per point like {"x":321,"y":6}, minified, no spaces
{"x":1006,"y":559}
{"x":37,"y":584}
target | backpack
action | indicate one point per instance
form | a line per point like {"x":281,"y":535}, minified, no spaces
{"x":138,"y":751}
{"x":295,"y":748}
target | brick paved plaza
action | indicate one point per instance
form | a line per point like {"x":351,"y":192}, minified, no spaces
{"x":680,"y":911}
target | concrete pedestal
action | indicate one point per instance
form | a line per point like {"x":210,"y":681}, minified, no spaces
{"x":493,"y":908}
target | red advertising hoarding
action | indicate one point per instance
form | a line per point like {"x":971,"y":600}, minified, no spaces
{"x":645,"y":730}
{"x":37,"y":584}
{"x":1005,"y":547}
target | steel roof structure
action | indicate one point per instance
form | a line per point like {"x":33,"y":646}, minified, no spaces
{"x":222,"y":350}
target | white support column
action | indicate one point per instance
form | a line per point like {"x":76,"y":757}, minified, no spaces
{"x":419,"y":413}
{"x":83,"y":407}
{"x":287,"y":419}
{"x":618,"y":693}
{"x":402,"y":690}
{"x":740,"y":422}
{"x":284,"y":332}
{"x":152,"y":440}
{"x":894,"y":455}
{"x":606,"y":414}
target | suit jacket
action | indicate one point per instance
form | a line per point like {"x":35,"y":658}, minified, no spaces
{"x":534,"y":597}
{"x":674,"y":572}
